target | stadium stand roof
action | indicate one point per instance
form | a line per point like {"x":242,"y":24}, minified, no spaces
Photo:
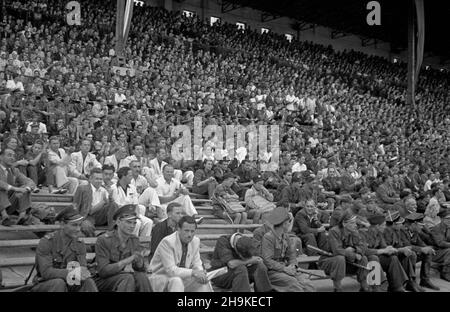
{"x":349,"y":17}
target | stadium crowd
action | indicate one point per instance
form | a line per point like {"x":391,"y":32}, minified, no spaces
{"x":356,"y":161}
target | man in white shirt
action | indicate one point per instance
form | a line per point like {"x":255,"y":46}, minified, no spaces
{"x":176,"y":265}
{"x":119,"y":97}
{"x":93,"y":202}
{"x":170,"y":190}
{"x":59,"y":165}
{"x":300,"y":165}
{"x":123,"y":193}
{"x":117,"y":160}
{"x":138,"y":181}
{"x":432,"y":179}
{"x":157,"y":163}
{"x":83,"y":161}
{"x":14,"y":84}
{"x":138,"y":155}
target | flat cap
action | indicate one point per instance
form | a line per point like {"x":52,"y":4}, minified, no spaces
{"x":348,"y":216}
{"x":393,"y":216}
{"x":444,"y":213}
{"x":69,"y":215}
{"x":258,"y":178}
{"x":229,"y":175}
{"x":414,"y":217}
{"x":376,"y":219}
{"x":278,"y":216}
{"x":127,"y":212}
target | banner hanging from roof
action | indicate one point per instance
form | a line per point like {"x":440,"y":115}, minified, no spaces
{"x":420,"y":13}
{"x":123,"y":22}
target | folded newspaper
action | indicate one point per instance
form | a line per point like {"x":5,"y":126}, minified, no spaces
{"x":216,"y":273}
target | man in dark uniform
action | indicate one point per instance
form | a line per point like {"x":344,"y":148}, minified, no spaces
{"x":61,"y":258}
{"x":347,"y":247}
{"x":166,"y":227}
{"x":308,"y":225}
{"x":410,"y":248}
{"x":238,"y":253}
{"x":120,"y":258}
{"x":29,"y":138}
{"x":441,"y":241}
{"x":293,"y":195}
{"x":373,"y":237}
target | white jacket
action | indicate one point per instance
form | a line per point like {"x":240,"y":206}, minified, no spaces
{"x":167,"y":257}
{"x":76,"y":166}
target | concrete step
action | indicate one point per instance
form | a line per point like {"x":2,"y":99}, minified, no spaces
{"x":46,"y":197}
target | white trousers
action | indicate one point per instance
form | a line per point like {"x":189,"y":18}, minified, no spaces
{"x":144,"y":225}
{"x":187,"y":176}
{"x":163,"y":283}
{"x":185,"y":202}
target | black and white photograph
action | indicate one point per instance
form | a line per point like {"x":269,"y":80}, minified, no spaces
{"x":240,"y":147}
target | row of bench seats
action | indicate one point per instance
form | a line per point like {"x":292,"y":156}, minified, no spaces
{"x":208,"y":232}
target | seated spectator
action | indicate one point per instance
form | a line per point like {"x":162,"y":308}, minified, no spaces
{"x":441,"y":242}
{"x":171,"y":190}
{"x":108,"y":178}
{"x":204,"y":180}
{"x":176,"y":265}
{"x":138,"y":155}
{"x":138,"y":181}
{"x":37,"y":164}
{"x":429,"y":182}
{"x":83,"y":161}
{"x":238,"y":254}
{"x":308,"y":226}
{"x":117,"y":160}
{"x":94,"y":204}
{"x":119,"y":256}
{"x":245,"y":174}
{"x":123,"y":193}
{"x":432,"y":211}
{"x":285,"y":181}
{"x":157,"y":164}
{"x":54,"y":253}
{"x":259,"y":200}
{"x":346,"y":245}
{"x":280,"y":256}
{"x":387,"y":198}
{"x":224,"y":201}
{"x":15,"y":189}
{"x":293,"y":195}
{"x":166,"y":227}
{"x":59,"y":166}
{"x":30,"y":137}
{"x":300,"y":165}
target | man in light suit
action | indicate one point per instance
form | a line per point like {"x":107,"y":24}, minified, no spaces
{"x":138,"y":155}
{"x":117,"y":160}
{"x":171,"y":190}
{"x":157,"y":164}
{"x":15,"y":188}
{"x":94,"y":204}
{"x":83,"y":161}
{"x":59,"y":163}
{"x":176,"y":265}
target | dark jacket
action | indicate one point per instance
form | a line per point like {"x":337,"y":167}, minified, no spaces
{"x":223,"y":253}
{"x":159,"y":231}
{"x":108,"y":251}
{"x":340,"y":238}
{"x":441,"y":236}
{"x":303,"y":224}
{"x":55,"y":251}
